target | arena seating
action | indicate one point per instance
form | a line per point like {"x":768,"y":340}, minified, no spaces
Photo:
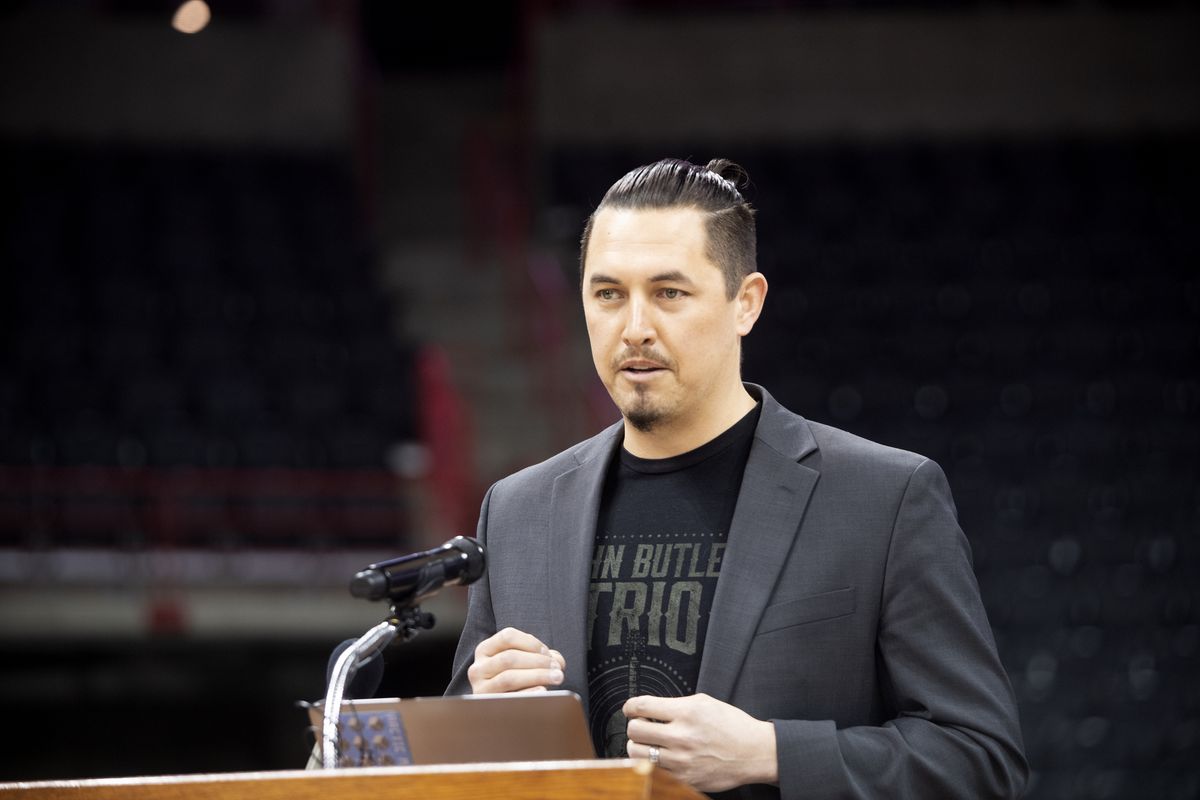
{"x":168,"y":310}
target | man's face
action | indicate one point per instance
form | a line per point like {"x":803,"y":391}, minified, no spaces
{"x":665,"y":338}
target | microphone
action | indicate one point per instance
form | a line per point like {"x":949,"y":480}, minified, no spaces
{"x":408,"y":580}
{"x":366,"y":680}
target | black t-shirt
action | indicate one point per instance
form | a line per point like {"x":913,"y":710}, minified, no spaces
{"x":659,"y":545}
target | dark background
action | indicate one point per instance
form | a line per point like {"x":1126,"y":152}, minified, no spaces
{"x":284,"y":296}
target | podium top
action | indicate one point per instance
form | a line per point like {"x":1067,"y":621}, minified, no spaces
{"x":616,"y":779}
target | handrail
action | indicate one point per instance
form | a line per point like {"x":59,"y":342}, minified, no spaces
{"x":200,"y":506}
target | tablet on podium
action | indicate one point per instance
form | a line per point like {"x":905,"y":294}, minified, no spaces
{"x":543,"y":726}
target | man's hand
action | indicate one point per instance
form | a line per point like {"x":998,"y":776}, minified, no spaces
{"x":710,"y":745}
{"x":514,"y":661}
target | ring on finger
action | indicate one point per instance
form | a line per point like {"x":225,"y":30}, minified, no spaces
{"x":655,"y":754}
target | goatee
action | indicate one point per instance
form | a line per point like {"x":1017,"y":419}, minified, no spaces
{"x":644,"y":419}
{"x":642,"y":415}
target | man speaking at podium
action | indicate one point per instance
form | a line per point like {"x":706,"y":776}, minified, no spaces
{"x":747,"y":598}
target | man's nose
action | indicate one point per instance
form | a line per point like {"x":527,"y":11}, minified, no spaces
{"x":639,"y":324}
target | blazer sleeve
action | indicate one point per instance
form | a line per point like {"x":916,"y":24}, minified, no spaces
{"x":955,"y":732}
{"x":481,"y":622}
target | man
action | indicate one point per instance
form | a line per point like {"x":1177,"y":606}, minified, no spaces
{"x":745,"y":597}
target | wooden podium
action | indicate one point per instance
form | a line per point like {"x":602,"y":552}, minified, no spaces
{"x":527,"y":780}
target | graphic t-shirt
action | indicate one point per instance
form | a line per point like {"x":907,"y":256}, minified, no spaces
{"x":659,"y":545}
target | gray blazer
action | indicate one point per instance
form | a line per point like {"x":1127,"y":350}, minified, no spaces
{"x":847,"y":611}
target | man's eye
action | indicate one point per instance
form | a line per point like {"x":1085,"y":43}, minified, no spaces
{"x":606,"y":294}
{"x":672,"y":294}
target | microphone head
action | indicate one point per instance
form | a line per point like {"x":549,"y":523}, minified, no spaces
{"x":370,"y":584}
{"x":476,"y":561}
{"x":365,"y":682}
{"x":408,"y":580}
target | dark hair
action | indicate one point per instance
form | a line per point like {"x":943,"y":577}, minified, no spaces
{"x":711,"y":189}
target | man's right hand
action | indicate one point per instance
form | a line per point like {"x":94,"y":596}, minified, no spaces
{"x":514,"y":661}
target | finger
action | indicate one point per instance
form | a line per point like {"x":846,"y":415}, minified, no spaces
{"x":515,"y":680}
{"x":649,"y":707}
{"x":510,"y":639}
{"x":490,"y":666}
{"x":639,"y":750}
{"x":562,"y":662}
{"x":647,"y":732}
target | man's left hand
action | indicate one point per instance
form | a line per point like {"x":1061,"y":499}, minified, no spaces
{"x":710,"y":745}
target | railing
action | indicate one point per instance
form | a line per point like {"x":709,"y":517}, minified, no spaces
{"x":48,"y":507}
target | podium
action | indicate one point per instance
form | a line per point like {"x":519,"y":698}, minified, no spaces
{"x":527,"y":780}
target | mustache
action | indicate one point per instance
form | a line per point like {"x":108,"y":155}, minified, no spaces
{"x":642,"y":354}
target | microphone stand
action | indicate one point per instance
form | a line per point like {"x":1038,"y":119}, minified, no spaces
{"x":403,"y":622}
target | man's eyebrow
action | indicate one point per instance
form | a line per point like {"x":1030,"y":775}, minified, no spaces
{"x":674,"y":276}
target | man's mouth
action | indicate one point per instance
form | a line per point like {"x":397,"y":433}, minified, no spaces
{"x":640,"y":366}
{"x":640,"y":369}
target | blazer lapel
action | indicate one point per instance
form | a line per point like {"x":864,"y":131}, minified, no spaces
{"x":574,"y":511}
{"x":766,"y":521}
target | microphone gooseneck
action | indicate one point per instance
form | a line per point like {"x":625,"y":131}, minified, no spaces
{"x":368,"y":673}
{"x":368,"y":645}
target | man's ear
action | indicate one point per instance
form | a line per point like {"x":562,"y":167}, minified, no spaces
{"x":750,"y":298}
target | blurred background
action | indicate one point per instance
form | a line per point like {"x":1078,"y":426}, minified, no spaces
{"x":286,"y":285}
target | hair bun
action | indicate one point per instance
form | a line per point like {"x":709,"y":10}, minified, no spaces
{"x":730,"y":171}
